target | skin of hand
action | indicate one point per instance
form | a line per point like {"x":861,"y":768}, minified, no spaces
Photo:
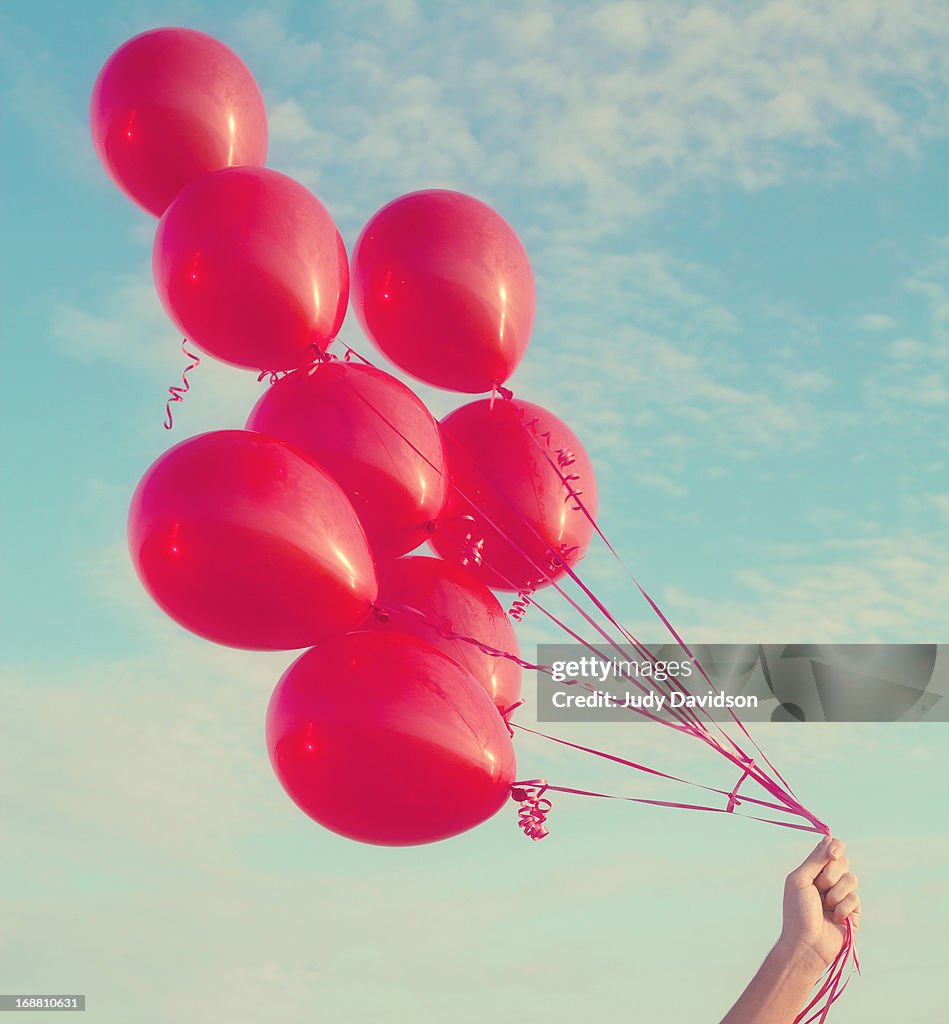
{"x":819,"y":896}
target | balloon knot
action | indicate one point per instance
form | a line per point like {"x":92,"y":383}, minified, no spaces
{"x":176,"y":393}
{"x":499,"y":391}
{"x":557,"y":559}
{"x":507,"y":712}
{"x":379,"y":614}
{"x":430,"y":527}
{"x":534,"y":807}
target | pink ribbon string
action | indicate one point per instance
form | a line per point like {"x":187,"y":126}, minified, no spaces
{"x":448,"y":634}
{"x":834,"y":981}
{"x":674,"y":805}
{"x":534,"y":807}
{"x":781,"y":807}
{"x":544,"y":441}
{"x":506,"y":715}
{"x":319,"y":356}
{"x":733,"y":800}
{"x":176,"y":392}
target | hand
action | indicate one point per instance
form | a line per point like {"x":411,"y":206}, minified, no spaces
{"x":819,"y":896}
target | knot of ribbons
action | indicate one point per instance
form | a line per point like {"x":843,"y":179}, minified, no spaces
{"x":733,"y":798}
{"x":532,"y":814}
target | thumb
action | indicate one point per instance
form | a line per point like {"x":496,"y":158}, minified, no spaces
{"x":812,"y":865}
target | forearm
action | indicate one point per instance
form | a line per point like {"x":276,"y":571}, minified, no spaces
{"x":780,"y":989}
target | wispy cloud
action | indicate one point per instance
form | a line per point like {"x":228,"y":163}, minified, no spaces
{"x":848,"y":589}
{"x":914,"y":371}
{"x":610,"y":109}
{"x":876,"y":322}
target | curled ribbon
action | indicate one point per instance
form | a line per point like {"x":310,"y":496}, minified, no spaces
{"x":320,"y":356}
{"x":176,"y":393}
{"x":534,"y":807}
{"x":519,"y":607}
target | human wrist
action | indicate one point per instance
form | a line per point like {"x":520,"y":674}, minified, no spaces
{"x":799,"y":956}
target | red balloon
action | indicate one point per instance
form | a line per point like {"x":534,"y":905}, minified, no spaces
{"x":373,"y":436}
{"x":453,"y":602}
{"x":243,"y":540}
{"x":169,"y":106}
{"x":382,"y":738}
{"x":250,"y":266}
{"x":443,"y":286}
{"x":506,"y":494}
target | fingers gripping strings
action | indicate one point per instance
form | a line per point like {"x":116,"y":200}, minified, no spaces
{"x":176,"y":393}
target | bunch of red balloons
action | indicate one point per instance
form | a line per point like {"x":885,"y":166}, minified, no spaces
{"x":298,"y":531}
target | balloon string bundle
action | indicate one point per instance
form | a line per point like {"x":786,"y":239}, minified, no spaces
{"x":689,"y":721}
{"x":176,"y":393}
{"x":731,"y":797}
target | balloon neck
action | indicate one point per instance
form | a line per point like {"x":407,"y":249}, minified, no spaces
{"x":507,"y":712}
{"x":498,"y":390}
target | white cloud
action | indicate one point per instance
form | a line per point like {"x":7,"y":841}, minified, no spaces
{"x":876,"y":322}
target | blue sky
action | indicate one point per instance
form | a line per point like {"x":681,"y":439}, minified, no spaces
{"x":737,"y":220}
